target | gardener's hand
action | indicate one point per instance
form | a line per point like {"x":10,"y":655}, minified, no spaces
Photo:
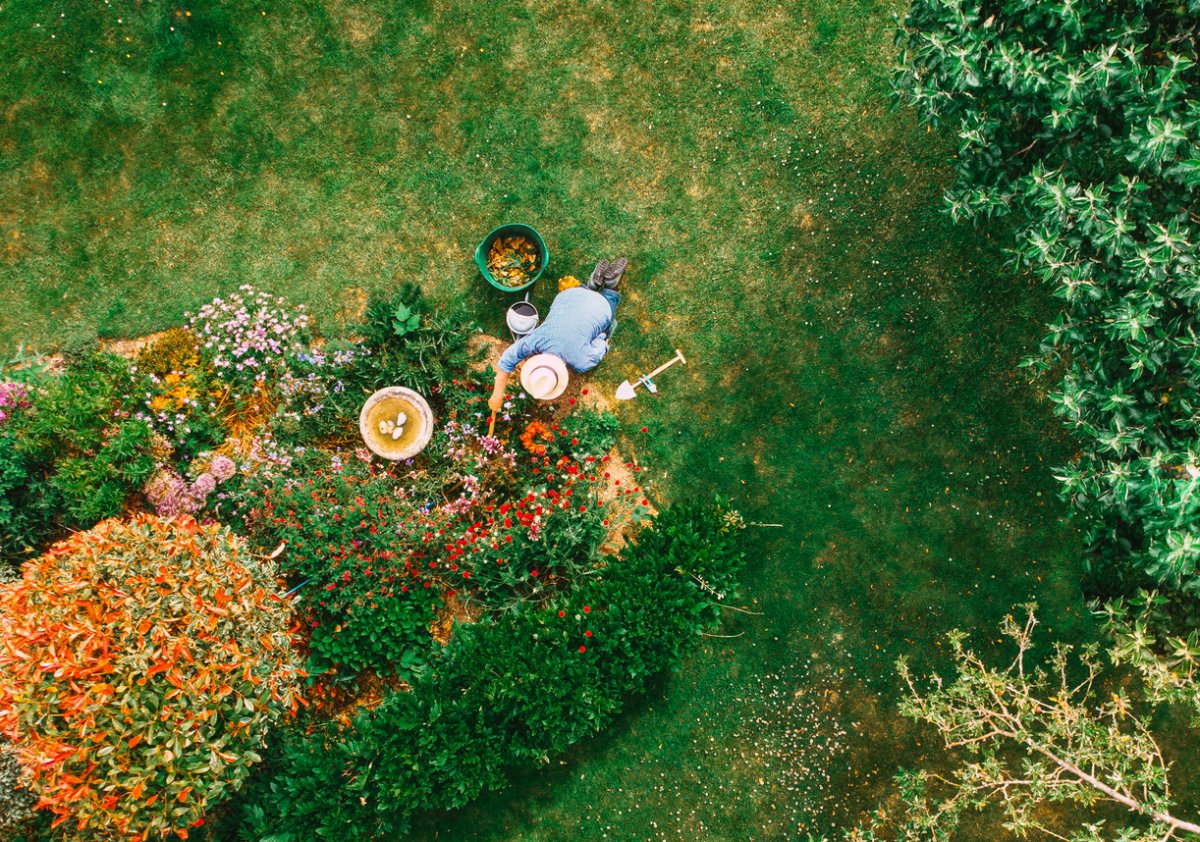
{"x":496,"y":401}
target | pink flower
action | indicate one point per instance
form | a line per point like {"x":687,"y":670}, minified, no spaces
{"x":222,"y":468}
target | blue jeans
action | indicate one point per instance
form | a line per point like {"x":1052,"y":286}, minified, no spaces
{"x":613,"y":298}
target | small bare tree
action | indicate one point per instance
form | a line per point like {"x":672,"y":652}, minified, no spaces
{"x":1033,"y":736}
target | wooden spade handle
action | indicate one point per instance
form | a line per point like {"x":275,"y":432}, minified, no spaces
{"x":492,"y":425}
{"x":678,"y":358}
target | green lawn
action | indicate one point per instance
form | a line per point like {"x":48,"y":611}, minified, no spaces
{"x":852,"y":353}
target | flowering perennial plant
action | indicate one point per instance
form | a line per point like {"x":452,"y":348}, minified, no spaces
{"x":344,"y":526}
{"x":83,"y":452}
{"x":380,"y":546}
{"x":141,"y":665}
{"x":180,"y":397}
{"x":319,"y":395}
{"x":250,"y":335}
{"x":170,"y":494}
{"x":536,"y":433}
{"x":13,"y":397}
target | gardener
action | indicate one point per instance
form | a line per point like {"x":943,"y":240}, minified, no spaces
{"x":576,"y":333}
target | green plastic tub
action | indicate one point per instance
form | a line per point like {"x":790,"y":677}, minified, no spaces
{"x":512,"y":229}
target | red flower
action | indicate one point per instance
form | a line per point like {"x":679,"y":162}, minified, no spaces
{"x":562,"y":613}
{"x":533,"y":573}
{"x":587,"y":609}
{"x":645,"y":429}
{"x":582,"y":648}
{"x":587,"y":633}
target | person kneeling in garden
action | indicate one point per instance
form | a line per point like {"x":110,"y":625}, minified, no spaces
{"x":576,"y":334}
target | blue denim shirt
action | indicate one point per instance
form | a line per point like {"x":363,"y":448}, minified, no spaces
{"x":573,"y":328}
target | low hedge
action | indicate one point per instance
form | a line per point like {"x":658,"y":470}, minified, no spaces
{"x":516,"y":689}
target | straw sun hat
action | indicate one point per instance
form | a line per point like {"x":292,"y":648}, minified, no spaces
{"x":544,"y":376}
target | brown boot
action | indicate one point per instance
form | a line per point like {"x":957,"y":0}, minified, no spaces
{"x":613,"y":276}
{"x":599,"y":275}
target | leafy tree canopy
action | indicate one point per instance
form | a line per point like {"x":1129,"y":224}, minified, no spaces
{"x":1083,"y":120}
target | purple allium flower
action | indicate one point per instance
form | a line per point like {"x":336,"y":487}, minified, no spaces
{"x":168,"y":493}
{"x":223,"y":468}
{"x":204,"y":485}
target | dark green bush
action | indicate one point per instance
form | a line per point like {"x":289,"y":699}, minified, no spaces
{"x":24,"y":520}
{"x":516,"y":689}
{"x":1081,"y":119}
{"x":76,"y":455}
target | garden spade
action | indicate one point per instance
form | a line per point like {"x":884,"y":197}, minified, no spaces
{"x":628,"y":391}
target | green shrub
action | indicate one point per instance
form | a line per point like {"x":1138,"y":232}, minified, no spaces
{"x":24,"y":520}
{"x":77,"y":454}
{"x":516,"y":689}
{"x":1083,"y":119}
{"x":16,"y":798}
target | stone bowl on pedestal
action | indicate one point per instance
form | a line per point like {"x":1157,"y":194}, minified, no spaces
{"x":396,"y":423}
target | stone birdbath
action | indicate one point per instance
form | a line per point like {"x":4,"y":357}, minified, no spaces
{"x":396,"y":423}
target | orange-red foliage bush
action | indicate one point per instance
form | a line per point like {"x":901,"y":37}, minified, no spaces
{"x":141,"y":664}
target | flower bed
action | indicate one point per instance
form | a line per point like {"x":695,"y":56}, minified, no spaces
{"x":512,"y":535}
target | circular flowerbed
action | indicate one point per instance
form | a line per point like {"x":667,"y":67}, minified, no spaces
{"x":489,"y":575}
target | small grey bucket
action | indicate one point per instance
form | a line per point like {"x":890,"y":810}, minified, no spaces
{"x":522,"y":318}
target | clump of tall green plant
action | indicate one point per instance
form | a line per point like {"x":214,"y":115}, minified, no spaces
{"x":1083,"y":120}
{"x":412,"y":344}
{"x":74,"y":455}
